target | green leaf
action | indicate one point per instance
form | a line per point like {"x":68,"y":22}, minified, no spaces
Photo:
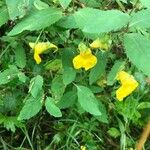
{"x":69,"y":75}
{"x":22,"y":77}
{"x":18,"y":8}
{"x":97,"y":21}
{"x":138,"y":51}
{"x":52,"y":108}
{"x":8,"y":74}
{"x":67,"y":100}
{"x":144,"y":105}
{"x":118,"y":65}
{"x":3,"y":15}
{"x":40,"y":5}
{"x":37,"y":20}
{"x":140,"y":19}
{"x":20,"y":56}
{"x":36,"y":84}
{"x":65,"y":3}
{"x":10,"y":123}
{"x":57,"y":87}
{"x":145,"y":3}
{"x":99,"y":69}
{"x":31,"y":107}
{"x":88,"y":101}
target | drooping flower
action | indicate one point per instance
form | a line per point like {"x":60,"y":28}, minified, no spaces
{"x":85,"y":60}
{"x":40,"y":48}
{"x":128,"y":85}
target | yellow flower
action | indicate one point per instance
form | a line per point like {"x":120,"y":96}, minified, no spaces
{"x":83,"y":148}
{"x":85,"y":60}
{"x":40,"y":48}
{"x":128,"y":85}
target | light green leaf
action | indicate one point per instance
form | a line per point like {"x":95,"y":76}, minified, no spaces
{"x":36,"y":84}
{"x":65,"y":3}
{"x":3,"y":15}
{"x":20,"y":56}
{"x":138,"y":51}
{"x":40,"y":5}
{"x":57,"y":87}
{"x":37,"y":20}
{"x":145,"y":3}
{"x":18,"y":8}
{"x":22,"y":77}
{"x":31,"y":107}
{"x":69,"y":75}
{"x":118,"y":65}
{"x":8,"y":74}
{"x":97,"y":21}
{"x":67,"y":100}
{"x":88,"y":101}
{"x":99,"y":69}
{"x":140,"y":19}
{"x":52,"y":108}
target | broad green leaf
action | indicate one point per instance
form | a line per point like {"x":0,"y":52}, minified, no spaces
{"x":52,"y":108}
{"x":8,"y":74}
{"x":57,"y":87}
{"x":103,"y":117}
{"x":18,"y":8}
{"x":20,"y":56}
{"x":65,"y":3}
{"x":68,"y":22}
{"x":88,"y":101}
{"x":69,"y":75}
{"x":99,"y":69}
{"x":97,"y":21}
{"x":138,"y":51}
{"x":31,"y":107}
{"x":3,"y":15}
{"x":36,"y":84}
{"x":37,"y":20}
{"x":145,"y":3}
{"x":141,"y":19}
{"x":67,"y":100}
{"x":118,"y":65}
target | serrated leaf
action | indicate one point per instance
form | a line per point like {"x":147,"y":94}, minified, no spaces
{"x":138,"y":51}
{"x":36,"y":85}
{"x":144,"y":105}
{"x":67,"y":100}
{"x":31,"y":107}
{"x":140,"y":19}
{"x":88,"y":101}
{"x":3,"y":15}
{"x":52,"y":108}
{"x":99,"y":69}
{"x":20,"y":56}
{"x":37,"y":20}
{"x":8,"y":74}
{"x":65,"y":3}
{"x":118,"y":65}
{"x":18,"y":8}
{"x":97,"y":21}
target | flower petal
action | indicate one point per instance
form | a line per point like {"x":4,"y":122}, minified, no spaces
{"x":129,"y":84}
{"x":37,"y":58}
